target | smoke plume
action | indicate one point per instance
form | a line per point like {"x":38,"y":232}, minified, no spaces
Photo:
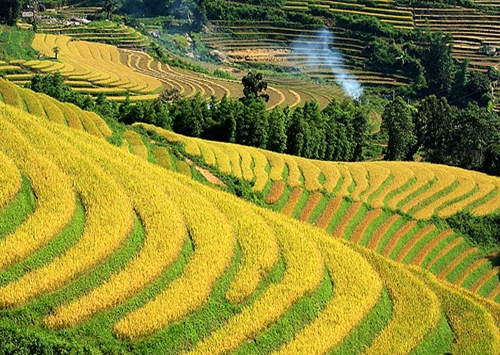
{"x":320,"y":54}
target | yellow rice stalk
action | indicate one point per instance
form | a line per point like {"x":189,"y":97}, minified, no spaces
{"x":234,"y":158}
{"x":294,"y":175}
{"x":33,"y":104}
{"x":52,"y":109}
{"x":223,"y":162}
{"x":207,"y":153}
{"x":135,"y":141}
{"x":377,"y":176}
{"x":87,"y":122}
{"x":466,"y":185}
{"x":162,"y":221}
{"x":71,"y":116}
{"x":331,"y":172}
{"x":10,"y":180}
{"x":100,"y":124}
{"x":109,"y":215}
{"x":276,"y":191}
{"x":356,"y":290}
{"x":257,"y":241}
{"x":10,"y":94}
{"x":261,"y":176}
{"x":55,"y":197}
{"x":486,"y":185}
{"x":416,"y":309}
{"x":162,"y":157}
{"x":303,"y":274}
{"x":401,"y":174}
{"x":213,"y":251}
{"x":311,"y":174}
{"x":360,"y":177}
{"x":277,"y":165}
{"x":422,"y":173}
{"x":444,"y":179}
{"x":473,"y":326}
{"x":347,"y":180}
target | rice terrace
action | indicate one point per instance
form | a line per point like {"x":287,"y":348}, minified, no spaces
{"x":249,"y":177}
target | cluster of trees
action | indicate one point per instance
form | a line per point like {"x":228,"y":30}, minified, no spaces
{"x":338,"y":132}
{"x":467,"y":137}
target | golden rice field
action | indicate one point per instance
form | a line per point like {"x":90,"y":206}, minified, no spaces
{"x":112,"y":253}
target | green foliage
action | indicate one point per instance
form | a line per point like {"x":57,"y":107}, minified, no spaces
{"x":16,"y":44}
{"x":397,"y":122}
{"x":483,"y":231}
{"x":10,"y":11}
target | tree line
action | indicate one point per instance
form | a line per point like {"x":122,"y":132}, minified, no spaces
{"x":339,"y":132}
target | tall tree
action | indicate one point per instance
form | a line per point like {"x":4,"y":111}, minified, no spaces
{"x":9,"y":11}
{"x":397,"y":122}
{"x":253,"y":86}
{"x":436,"y":58}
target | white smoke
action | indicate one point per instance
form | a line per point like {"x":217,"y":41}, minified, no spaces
{"x":318,"y":53}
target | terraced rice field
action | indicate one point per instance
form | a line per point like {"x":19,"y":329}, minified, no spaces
{"x":346,"y":199}
{"x":291,"y":48}
{"x":43,"y":106}
{"x":190,"y":273}
{"x":99,"y":246}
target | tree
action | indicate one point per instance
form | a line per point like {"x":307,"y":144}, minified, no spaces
{"x":253,"y":85}
{"x":9,"y":11}
{"x":56,"y":51}
{"x":397,"y":122}
{"x":437,"y":61}
{"x":109,"y":6}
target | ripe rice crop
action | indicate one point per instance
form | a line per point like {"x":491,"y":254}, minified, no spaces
{"x":311,"y":174}
{"x":311,"y":203}
{"x":473,"y":327}
{"x":260,"y":164}
{"x":292,"y":202}
{"x":330,"y":211}
{"x":55,"y":197}
{"x":71,"y":117}
{"x":32,"y":103}
{"x":443,"y":180}
{"x":294,"y":175}
{"x":213,"y":246}
{"x":234,"y":159}
{"x":10,"y":94}
{"x":416,"y":309}
{"x":10,"y":180}
{"x":347,"y":180}
{"x":360,"y":177}
{"x":277,"y":164}
{"x":162,"y":157}
{"x":363,"y":226}
{"x":352,"y":286}
{"x":223,"y":162}
{"x":109,"y":215}
{"x":303,"y":274}
{"x":160,"y":219}
{"x":377,"y":176}
{"x":274,"y":195}
{"x":207,"y":153}
{"x":331,"y":173}
{"x":88,"y":123}
{"x":423,"y":175}
{"x":52,"y":109}
{"x":135,"y":141}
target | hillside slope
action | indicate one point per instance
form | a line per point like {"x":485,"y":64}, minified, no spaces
{"x":103,"y":251}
